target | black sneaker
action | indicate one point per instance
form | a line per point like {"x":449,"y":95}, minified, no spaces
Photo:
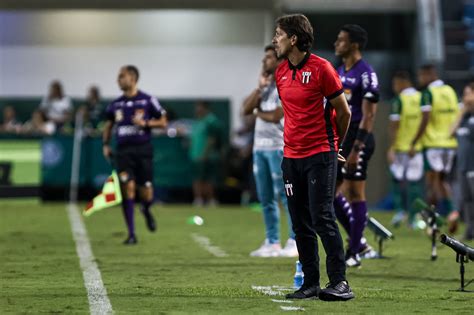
{"x":131,"y":240}
{"x":150,"y":221}
{"x":336,"y":292}
{"x":305,"y":293}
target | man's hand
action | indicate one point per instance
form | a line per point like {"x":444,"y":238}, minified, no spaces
{"x":391,"y":155}
{"x":107,"y":151}
{"x":340,"y":157}
{"x":352,"y":160}
{"x":140,"y":122}
{"x":412,"y":151}
{"x":264,"y":80}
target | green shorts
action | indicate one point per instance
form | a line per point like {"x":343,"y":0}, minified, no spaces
{"x":205,"y":170}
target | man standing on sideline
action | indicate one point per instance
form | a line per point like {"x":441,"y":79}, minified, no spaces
{"x":439,"y":104}
{"x":267,"y":157}
{"x":134,"y":114}
{"x":316,"y":119}
{"x":204,"y":153}
{"x":407,"y":171}
{"x":464,"y":131}
{"x":362,"y":93}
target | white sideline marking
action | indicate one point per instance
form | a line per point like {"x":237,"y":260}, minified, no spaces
{"x":99,"y":302}
{"x":205,"y":243}
{"x":277,"y":290}
{"x":282,"y":301}
{"x":274,"y":290}
{"x":292,"y":308}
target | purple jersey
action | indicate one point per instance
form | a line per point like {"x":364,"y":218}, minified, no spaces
{"x":122,"y":112}
{"x":358,"y":83}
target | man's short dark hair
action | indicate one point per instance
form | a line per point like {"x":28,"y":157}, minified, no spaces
{"x":298,"y":25}
{"x":357,"y":34}
{"x":428,"y":67}
{"x":203,"y":103}
{"x":470,"y":84}
{"x":133,"y":70}
{"x":272,"y":48}
{"x":402,"y":75}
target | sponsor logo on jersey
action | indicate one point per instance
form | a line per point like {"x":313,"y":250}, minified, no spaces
{"x":306,"y":77}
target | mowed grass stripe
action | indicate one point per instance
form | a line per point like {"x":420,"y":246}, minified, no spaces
{"x":39,"y":271}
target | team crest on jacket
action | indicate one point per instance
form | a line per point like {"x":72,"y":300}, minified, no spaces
{"x":306,"y":77}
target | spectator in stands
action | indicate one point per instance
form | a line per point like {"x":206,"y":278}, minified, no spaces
{"x":56,"y":106}
{"x":93,"y":111}
{"x":38,"y":125}
{"x":10,"y":124}
{"x":204,"y":153}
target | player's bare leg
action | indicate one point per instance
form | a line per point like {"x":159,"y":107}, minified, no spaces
{"x":447,"y":205}
{"x":209,"y":194}
{"x":128,"y":203}
{"x":146,"y":196}
{"x":431,"y":178}
{"x":198,"y":192}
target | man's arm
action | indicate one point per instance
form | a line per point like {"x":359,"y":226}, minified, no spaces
{"x":106,"y":137}
{"x":343,"y":115}
{"x":369,"y":109}
{"x":426,"y":100}
{"x":161,"y":122}
{"x":211,"y":142}
{"x":421,"y":129}
{"x":273,"y":116}
{"x":393,"y":129}
{"x":251,"y":102}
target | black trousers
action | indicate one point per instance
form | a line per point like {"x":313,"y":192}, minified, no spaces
{"x":310,"y":184}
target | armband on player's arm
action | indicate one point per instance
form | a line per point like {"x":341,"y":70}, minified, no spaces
{"x":372,"y":96}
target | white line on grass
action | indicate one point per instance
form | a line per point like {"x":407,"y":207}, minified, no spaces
{"x":205,"y":243}
{"x":99,"y":302}
{"x":292,"y":308}
{"x":282,"y":301}
{"x":273,"y":290}
{"x":277,"y":290}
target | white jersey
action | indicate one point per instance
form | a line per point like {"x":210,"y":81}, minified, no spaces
{"x":268,"y":135}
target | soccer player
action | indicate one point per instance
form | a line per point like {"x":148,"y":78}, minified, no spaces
{"x":316,"y":119}
{"x":407,"y":171}
{"x":267,"y":157}
{"x":362,"y":93}
{"x":134,"y":114}
{"x":439,"y":104}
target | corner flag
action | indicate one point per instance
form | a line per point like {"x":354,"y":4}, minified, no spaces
{"x":110,"y":196}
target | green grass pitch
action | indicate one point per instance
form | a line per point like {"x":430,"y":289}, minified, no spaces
{"x":169,"y":273}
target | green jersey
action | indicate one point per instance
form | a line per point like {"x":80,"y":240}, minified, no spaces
{"x":441,"y":100}
{"x":203,"y":129}
{"x":406,"y":109}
